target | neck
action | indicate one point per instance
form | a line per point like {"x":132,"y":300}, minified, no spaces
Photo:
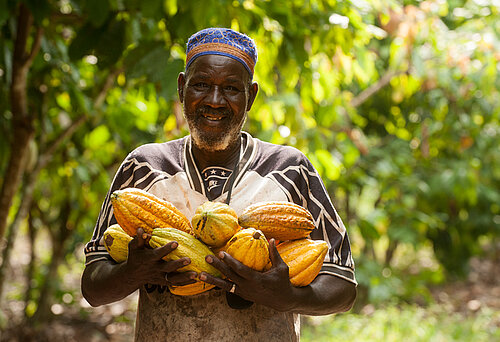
{"x":225,"y":158}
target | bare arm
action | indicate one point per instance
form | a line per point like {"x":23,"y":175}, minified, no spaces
{"x":104,"y":281}
{"x":325,"y":295}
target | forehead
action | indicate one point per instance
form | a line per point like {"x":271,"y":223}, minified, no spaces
{"x":218,"y":66}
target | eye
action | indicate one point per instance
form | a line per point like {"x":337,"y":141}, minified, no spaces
{"x":201,"y":86}
{"x":231,"y":89}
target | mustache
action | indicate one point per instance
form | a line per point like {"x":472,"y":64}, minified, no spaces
{"x":215,"y":111}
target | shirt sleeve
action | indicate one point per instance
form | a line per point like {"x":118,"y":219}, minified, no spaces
{"x":304,"y":186}
{"x":94,"y":250}
{"x":329,"y":227}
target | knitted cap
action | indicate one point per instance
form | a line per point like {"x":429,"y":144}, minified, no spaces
{"x":224,"y":42}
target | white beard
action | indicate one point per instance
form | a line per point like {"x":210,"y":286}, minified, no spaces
{"x":210,"y":143}
{"x":205,"y":144}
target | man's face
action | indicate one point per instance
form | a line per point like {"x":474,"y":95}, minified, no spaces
{"x":216,"y":92}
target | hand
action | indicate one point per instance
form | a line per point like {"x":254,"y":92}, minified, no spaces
{"x":146,"y":266}
{"x":271,"y":288}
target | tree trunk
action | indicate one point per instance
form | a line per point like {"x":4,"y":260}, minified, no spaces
{"x":31,"y":267}
{"x":26,"y":200}
{"x":59,"y":239}
{"x":22,"y":120}
{"x":43,"y":160}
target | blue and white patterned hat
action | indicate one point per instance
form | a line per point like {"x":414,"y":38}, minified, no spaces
{"x":225,"y":42}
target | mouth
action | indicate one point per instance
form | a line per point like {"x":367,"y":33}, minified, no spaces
{"x":212,"y":117}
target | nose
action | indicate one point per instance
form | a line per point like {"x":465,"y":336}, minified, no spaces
{"x":215,"y":97}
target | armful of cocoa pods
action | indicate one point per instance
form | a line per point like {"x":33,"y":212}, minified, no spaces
{"x":106,"y":281}
{"x":326,"y":294}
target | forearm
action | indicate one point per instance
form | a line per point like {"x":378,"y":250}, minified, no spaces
{"x":104,"y":282}
{"x":325,"y":295}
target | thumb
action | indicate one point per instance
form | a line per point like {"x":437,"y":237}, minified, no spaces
{"x":139,"y":241}
{"x":274,"y":254}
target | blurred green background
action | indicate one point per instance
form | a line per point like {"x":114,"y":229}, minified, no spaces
{"x":396,"y":103}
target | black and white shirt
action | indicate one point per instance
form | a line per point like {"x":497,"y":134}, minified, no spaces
{"x":266,"y":172}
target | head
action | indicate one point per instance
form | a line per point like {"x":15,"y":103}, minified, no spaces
{"x":216,"y":89}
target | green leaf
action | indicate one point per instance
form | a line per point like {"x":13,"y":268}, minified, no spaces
{"x":39,"y":9}
{"x":169,"y":76}
{"x":368,"y":230}
{"x":4,"y":11}
{"x":149,"y":59}
{"x":98,"y":11}
{"x":151,"y":9}
{"x":85,"y":41}
{"x":170,"y":7}
{"x":99,"y":136}
{"x":111,"y":44}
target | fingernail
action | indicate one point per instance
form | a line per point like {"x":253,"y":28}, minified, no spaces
{"x":221,"y":255}
{"x":174,"y":244}
{"x":209,"y":259}
{"x":186,"y":262}
{"x":203,"y":277}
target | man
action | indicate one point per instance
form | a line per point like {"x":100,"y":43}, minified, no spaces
{"x":219,"y":162}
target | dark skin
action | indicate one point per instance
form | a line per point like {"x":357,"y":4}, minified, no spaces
{"x":216,"y":92}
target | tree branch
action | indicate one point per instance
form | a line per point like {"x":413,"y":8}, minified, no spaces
{"x":356,"y":135}
{"x":108,"y":83}
{"x":35,"y":48}
{"x":374,"y":88}
{"x":54,"y":145}
{"x":70,"y":130}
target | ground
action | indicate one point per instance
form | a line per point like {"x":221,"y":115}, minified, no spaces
{"x":114,"y":323}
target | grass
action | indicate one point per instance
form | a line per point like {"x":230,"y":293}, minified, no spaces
{"x":405,"y":323}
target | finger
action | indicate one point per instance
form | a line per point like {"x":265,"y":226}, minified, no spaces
{"x":274,"y":255}
{"x":180,"y":279}
{"x":210,"y":279}
{"x":236,"y":267}
{"x":138,"y":241}
{"x":223,"y":267}
{"x":174,"y":265}
{"x":162,"y":251}
{"x":140,"y":238}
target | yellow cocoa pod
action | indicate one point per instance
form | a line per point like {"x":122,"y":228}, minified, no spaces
{"x":304,"y":258}
{"x":189,"y":246}
{"x":116,"y":241}
{"x":134,"y":208}
{"x":250,"y":247}
{"x":279,"y":220}
{"x":215,"y":223}
{"x":191,"y":289}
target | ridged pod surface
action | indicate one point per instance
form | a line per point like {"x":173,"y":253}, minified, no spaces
{"x":189,"y":246}
{"x":250,"y":247}
{"x":304,"y":258}
{"x":280,"y":220}
{"x":215,"y":223}
{"x":116,"y":241}
{"x":191,"y":289}
{"x":134,"y":208}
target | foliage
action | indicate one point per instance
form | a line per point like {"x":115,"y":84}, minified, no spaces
{"x":395,"y":103}
{"x":408,"y":323}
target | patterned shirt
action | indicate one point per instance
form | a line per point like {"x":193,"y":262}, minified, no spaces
{"x":266,"y":172}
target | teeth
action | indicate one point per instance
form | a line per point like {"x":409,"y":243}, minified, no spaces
{"x":211,"y":118}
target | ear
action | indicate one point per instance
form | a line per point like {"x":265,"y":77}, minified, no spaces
{"x":181,"y":82}
{"x":252,"y":94}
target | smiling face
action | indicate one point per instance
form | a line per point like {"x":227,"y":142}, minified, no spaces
{"x":216,"y":92}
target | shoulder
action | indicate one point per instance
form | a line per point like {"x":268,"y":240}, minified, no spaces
{"x":167,"y":156}
{"x":269,"y":149}
{"x":281,"y":154}
{"x":158,"y":149}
